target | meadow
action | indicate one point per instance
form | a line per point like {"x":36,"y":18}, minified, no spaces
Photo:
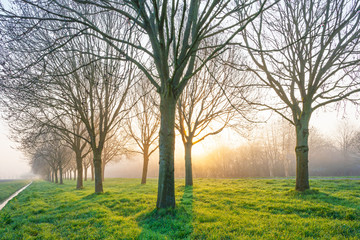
{"x":212,"y":209}
{"x":7,"y":188}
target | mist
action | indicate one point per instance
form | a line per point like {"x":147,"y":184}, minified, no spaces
{"x":230,"y":155}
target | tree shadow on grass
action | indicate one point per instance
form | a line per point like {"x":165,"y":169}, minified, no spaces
{"x":347,"y":210}
{"x":171,"y":223}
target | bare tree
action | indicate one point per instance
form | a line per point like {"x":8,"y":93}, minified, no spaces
{"x":207,"y":106}
{"x":113,"y":150}
{"x":318,"y":47}
{"x":143,"y":125}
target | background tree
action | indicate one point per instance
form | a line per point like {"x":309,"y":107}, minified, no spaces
{"x":318,"y":46}
{"x":143,"y":124}
{"x":207,"y":106}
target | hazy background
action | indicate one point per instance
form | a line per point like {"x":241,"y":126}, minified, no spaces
{"x":14,"y":165}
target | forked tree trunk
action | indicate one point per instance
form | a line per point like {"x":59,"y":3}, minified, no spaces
{"x":79,"y":166}
{"x":98,"y":173}
{"x":302,"y":154}
{"x":145,"y":165}
{"x":166,"y":187}
{"x":188,"y":164}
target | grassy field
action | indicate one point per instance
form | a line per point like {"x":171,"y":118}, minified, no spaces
{"x":213,"y":209}
{"x":9,"y":187}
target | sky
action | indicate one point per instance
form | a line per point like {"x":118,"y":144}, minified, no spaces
{"x":13,"y":163}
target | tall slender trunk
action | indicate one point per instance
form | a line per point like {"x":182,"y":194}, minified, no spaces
{"x":98,"y":172}
{"x":52,"y":176}
{"x":188,"y":164}
{"x":302,"y":153}
{"x":74,"y":174}
{"x":61,"y":175}
{"x":166,"y":185}
{"x":85,"y":173}
{"x":92,"y":171}
{"x":56,"y":176}
{"x":145,"y":165}
{"x":79,"y":166}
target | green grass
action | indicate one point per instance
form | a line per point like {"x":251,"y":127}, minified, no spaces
{"x":213,"y":209}
{"x":9,"y":187}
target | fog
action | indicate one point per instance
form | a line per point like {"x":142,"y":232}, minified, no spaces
{"x":13,"y":164}
{"x":325,"y":156}
{"x":322,"y":162}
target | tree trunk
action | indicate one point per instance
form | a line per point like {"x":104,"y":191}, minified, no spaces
{"x":302,"y":154}
{"x":145,"y":165}
{"x":103,"y":171}
{"x":98,"y":173}
{"x":74,"y":174}
{"x":61,"y":175}
{"x":92,"y":171}
{"x":56,"y":176}
{"x":79,"y":166}
{"x":85,"y":173}
{"x":188,"y":164}
{"x":166,"y":185}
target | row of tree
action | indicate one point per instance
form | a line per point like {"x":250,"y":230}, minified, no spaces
{"x":81,"y":68}
{"x":270,"y":154}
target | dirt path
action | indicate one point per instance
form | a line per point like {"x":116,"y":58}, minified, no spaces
{"x":2,"y":205}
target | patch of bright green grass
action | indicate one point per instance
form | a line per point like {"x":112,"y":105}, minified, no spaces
{"x":212,"y":209}
{"x":9,"y":187}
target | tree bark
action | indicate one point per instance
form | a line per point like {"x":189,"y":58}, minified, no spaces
{"x":56,"y":176}
{"x":79,"y":166}
{"x":302,"y":154}
{"x":61,"y":175}
{"x":92,"y":171}
{"x":98,"y":173}
{"x":145,"y":165}
{"x":166,"y":185}
{"x":188,"y":164}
